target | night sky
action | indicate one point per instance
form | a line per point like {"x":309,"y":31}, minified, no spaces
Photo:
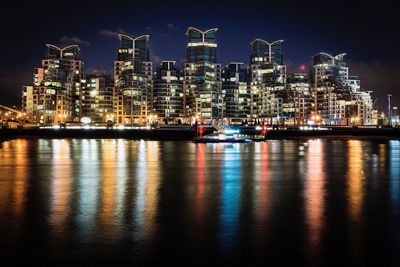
{"x":367,"y":32}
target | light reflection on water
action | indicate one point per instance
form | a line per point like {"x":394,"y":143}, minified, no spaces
{"x":140,"y":197}
{"x":395,"y":175}
{"x":314,"y":193}
{"x":231,"y":193}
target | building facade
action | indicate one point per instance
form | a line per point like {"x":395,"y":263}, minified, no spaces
{"x":200,"y":90}
{"x":132,"y":80}
{"x":168,"y":93}
{"x":55,"y":95}
{"x":236,"y":93}
{"x":338,"y":98}
{"x":97,"y":97}
{"x":202,"y":76}
{"x":267,"y":80}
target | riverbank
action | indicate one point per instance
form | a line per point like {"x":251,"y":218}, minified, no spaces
{"x":338,"y":132}
{"x":151,"y":134}
{"x":187,"y":134}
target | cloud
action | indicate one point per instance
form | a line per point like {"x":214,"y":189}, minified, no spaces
{"x":170,"y":25}
{"x":155,"y":59}
{"x":73,"y":40}
{"x":111,"y":33}
{"x":165,"y":35}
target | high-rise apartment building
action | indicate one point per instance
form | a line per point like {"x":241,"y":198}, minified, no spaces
{"x":168,"y":93}
{"x":236,"y":93}
{"x":297,"y":103}
{"x":202,"y":76}
{"x":199,"y":90}
{"x":133,"y":80}
{"x":268,"y":80}
{"x":55,"y":95}
{"x":338,"y":98}
{"x":97,"y":96}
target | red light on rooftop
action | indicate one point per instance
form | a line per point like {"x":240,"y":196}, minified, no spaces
{"x":302,"y":67}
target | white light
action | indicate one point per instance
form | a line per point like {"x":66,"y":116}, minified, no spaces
{"x":86,"y":120}
{"x":202,"y":43}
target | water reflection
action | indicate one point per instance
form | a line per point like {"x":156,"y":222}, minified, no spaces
{"x":200,"y":184}
{"x":262,"y":180}
{"x":314,"y":193}
{"x":148,"y":180}
{"x":14,"y":162}
{"x":107,"y":196}
{"x":355,"y":178}
{"x":231,"y":190}
{"x":60,"y":184}
{"x":394,"y":149}
{"x":88,"y":192}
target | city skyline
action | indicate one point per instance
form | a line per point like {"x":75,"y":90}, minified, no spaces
{"x":201,"y":89}
{"x":351,"y":32}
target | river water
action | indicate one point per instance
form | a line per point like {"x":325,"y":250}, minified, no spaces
{"x":283,"y":202}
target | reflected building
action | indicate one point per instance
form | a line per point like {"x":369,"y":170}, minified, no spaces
{"x":61,"y":184}
{"x":202,"y":76}
{"x":394,"y":170}
{"x":314,"y":193}
{"x":147,"y":195}
{"x":230,"y":195}
{"x":355,"y":178}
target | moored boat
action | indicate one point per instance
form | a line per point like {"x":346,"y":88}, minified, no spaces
{"x":222,"y":137}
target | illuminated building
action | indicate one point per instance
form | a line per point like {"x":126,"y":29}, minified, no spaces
{"x":202,"y":76}
{"x":297,"y":102}
{"x":133,"y":80}
{"x":338,"y":97}
{"x":168,"y":93}
{"x":236,"y":93}
{"x":97,"y":96}
{"x":55,"y":95}
{"x":262,"y":92}
{"x":268,"y":80}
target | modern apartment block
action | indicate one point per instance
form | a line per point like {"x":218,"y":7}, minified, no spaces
{"x":267,"y":80}
{"x":236,"y":93}
{"x":297,"y":107}
{"x":338,"y":98}
{"x":168,"y":93}
{"x":97,"y":96}
{"x":55,"y":95}
{"x":198,"y":90}
{"x":133,"y":80}
{"x":202,"y":76}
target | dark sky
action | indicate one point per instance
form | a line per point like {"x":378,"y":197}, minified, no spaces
{"x":367,"y":30}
